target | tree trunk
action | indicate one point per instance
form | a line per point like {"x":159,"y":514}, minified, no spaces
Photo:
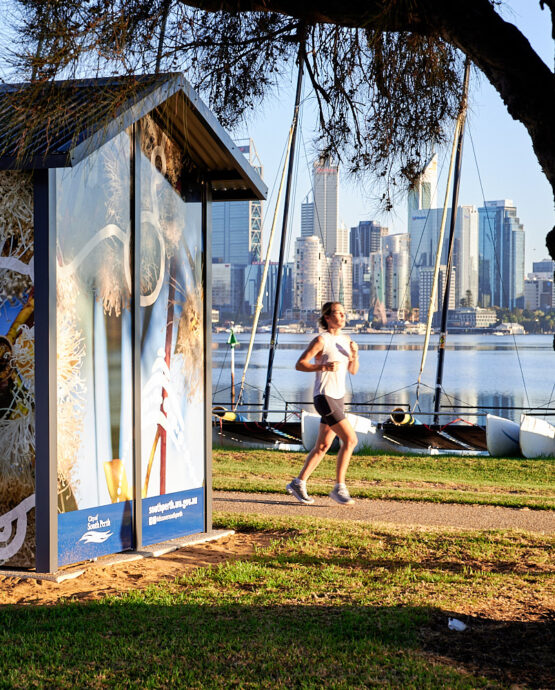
{"x":507,"y":59}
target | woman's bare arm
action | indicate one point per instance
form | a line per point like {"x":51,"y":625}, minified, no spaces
{"x":352,"y":367}
{"x":312,"y":351}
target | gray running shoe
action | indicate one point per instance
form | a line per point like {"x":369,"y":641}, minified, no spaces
{"x":340,"y":494}
{"x":297,"y":488}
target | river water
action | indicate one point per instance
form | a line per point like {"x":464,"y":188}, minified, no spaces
{"x":481,"y":373}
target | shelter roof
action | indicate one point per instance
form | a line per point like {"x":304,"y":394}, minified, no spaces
{"x":60,"y":123}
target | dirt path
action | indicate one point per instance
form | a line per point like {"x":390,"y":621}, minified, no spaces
{"x":124,"y":572}
{"x":396,"y":512}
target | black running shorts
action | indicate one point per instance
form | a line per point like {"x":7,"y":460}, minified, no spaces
{"x":332,"y":410}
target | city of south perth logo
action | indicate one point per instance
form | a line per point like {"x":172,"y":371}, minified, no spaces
{"x":93,"y":535}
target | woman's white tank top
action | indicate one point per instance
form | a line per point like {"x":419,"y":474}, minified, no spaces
{"x":337,"y":348}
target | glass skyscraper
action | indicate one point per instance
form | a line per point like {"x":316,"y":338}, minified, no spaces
{"x":307,"y":216}
{"x":237,"y":225}
{"x":501,"y":248}
{"x":424,"y":238}
{"x":366,"y":238}
{"x":423,"y":194}
{"x":237,"y":240}
{"x":325,"y":182}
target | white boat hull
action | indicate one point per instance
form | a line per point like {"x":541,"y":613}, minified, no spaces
{"x":537,"y":437}
{"x":369,"y":436}
{"x":221,"y":439}
{"x":372,"y":437}
{"x":502,"y":437}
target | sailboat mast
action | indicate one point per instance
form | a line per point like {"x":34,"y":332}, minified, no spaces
{"x":275,"y":316}
{"x":448,"y":272}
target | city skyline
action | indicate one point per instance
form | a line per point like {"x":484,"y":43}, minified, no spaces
{"x":370,"y":270}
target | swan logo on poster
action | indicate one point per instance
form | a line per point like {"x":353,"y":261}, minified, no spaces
{"x":95,"y":531}
{"x":94,"y":535}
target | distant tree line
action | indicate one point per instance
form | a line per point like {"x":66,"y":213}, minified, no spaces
{"x":536,"y":321}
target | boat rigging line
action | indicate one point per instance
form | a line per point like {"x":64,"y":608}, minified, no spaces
{"x":277,"y":296}
{"x":259,"y":300}
{"x":406,"y":291}
{"x":449,"y":267}
{"x":497,"y":266}
{"x":433,"y":293}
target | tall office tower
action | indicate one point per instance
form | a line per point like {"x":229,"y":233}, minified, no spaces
{"x":309,"y":273}
{"x":253,"y":279}
{"x":366,"y":237}
{"x":377,"y":279}
{"x":287,"y":288}
{"x":425,"y":286}
{"x":342,"y":239}
{"x":501,"y":251}
{"x":424,"y":231}
{"x":228,"y":293}
{"x":325,"y":182}
{"x":466,"y":257}
{"x":237,"y":225}
{"x":397,"y":250}
{"x":397,"y":295}
{"x":388,"y":274}
{"x":221,"y":286}
{"x":307,"y":216}
{"x":396,"y":244}
{"x":423,"y":194}
{"x":361,"y":282}
{"x":338,"y":280}
{"x":544,"y":266}
{"x":538,"y":292}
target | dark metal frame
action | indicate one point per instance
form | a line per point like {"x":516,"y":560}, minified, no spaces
{"x":46,"y":489}
{"x":135,"y":192}
{"x":207,"y":291}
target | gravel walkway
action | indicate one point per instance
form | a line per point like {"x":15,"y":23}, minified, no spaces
{"x":396,"y":512}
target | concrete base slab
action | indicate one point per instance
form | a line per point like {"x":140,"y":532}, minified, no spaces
{"x":146,"y":552}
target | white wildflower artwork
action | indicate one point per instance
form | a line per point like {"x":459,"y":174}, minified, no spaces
{"x":17,"y":366}
{"x":13,"y":528}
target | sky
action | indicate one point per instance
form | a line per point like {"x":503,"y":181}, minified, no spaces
{"x":505,"y":160}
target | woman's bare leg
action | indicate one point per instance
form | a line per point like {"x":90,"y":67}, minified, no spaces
{"x":313,"y":459}
{"x":349,"y":440}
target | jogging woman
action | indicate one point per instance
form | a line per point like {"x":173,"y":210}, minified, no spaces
{"x":334,"y":354}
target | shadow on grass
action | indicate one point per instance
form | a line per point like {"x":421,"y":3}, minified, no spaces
{"x":162,"y":641}
{"x":388,"y":564}
{"x":519,"y":653}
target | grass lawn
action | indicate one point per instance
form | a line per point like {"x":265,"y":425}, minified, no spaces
{"x":513,"y":482}
{"x":325,"y":604}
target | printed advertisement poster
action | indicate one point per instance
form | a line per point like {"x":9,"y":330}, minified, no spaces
{"x":94,"y":377}
{"x":173,"y":515}
{"x":172,"y":339}
{"x":17,"y":371}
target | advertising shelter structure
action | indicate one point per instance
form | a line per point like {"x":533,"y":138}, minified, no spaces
{"x":105,"y":367}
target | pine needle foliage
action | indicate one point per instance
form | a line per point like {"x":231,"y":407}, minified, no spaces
{"x":384,"y":99}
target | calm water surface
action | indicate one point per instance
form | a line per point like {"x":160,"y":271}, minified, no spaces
{"x":479,"y":371}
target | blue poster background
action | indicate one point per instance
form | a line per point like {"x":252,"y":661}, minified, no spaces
{"x":93,"y":532}
{"x":173,"y":515}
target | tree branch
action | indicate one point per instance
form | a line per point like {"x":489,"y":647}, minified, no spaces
{"x":497,"y":47}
